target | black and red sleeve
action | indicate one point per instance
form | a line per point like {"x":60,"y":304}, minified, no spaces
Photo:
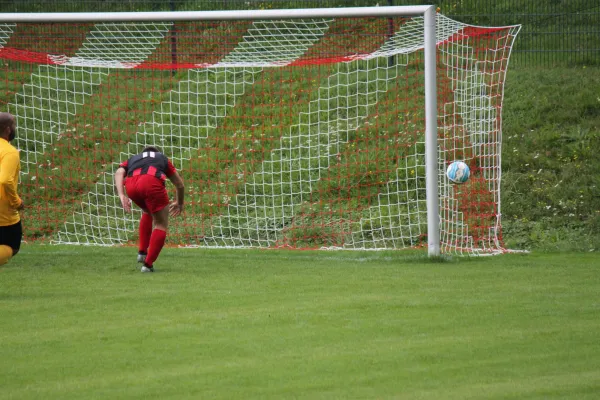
{"x":170,"y":168}
{"x":124,"y":165}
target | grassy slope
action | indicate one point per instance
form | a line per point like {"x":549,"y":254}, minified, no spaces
{"x":551,"y":170}
{"x":81,"y":322}
{"x":551,"y":173}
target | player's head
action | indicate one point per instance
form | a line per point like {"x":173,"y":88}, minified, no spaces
{"x":151,"y":148}
{"x":8,"y":126}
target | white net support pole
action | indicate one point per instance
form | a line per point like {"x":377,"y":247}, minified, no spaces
{"x":431,"y":145}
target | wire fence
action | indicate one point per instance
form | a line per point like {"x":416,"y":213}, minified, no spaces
{"x":554,"y":32}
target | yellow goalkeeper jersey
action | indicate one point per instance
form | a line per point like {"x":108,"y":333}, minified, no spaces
{"x":10,"y":165}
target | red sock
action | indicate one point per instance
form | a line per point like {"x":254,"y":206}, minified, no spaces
{"x":157,"y":241}
{"x":145,"y":232}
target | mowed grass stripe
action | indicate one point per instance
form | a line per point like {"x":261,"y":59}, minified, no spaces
{"x":344,"y":206}
{"x":34,"y":37}
{"x":254,"y":214}
{"x":83,"y":322}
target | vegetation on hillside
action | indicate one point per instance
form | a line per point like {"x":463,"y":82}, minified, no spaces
{"x":551,"y":169}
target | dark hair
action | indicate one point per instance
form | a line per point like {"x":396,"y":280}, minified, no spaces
{"x":6,"y":120}
{"x":152,"y":148}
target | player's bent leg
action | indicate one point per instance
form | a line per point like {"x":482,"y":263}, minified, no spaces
{"x":6,"y":253}
{"x":161,"y":219}
{"x":145,"y":231}
{"x":11,"y":241}
{"x":157,"y":239}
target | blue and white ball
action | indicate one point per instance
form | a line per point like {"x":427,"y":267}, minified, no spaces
{"x":458,"y":172}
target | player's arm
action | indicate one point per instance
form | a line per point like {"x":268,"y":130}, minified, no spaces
{"x":120,"y":185}
{"x":8,"y":171}
{"x":177,"y":206}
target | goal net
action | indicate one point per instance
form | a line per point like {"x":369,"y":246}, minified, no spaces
{"x":288,"y":132}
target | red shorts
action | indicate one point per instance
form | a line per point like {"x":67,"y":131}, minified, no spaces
{"x":148,"y":192}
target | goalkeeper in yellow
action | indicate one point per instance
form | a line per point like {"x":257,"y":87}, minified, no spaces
{"x":11,"y":230}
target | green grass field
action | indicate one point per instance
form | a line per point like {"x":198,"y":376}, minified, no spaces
{"x":84,"y":323}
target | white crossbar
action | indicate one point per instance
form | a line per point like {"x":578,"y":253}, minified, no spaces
{"x":216,"y":15}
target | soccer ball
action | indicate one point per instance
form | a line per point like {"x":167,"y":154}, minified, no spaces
{"x":458,"y":172}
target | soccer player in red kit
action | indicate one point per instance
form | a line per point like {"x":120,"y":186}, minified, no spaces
{"x":143,"y":177}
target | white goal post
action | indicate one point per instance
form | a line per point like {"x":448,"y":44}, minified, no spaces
{"x":465,"y":74}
